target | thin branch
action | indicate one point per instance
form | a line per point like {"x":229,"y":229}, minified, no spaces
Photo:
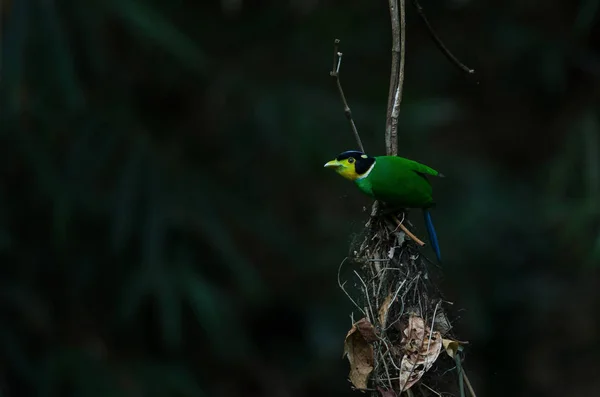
{"x":341,"y":285}
{"x":366,"y":294}
{"x":395,"y":63}
{"x":408,"y":232}
{"x":398,"y":19}
{"x":387,"y":309}
{"x":431,"y":390}
{"x":432,"y":325}
{"x":387,"y":371}
{"x":438,"y":41}
{"x":469,"y":386}
{"x":380,"y":274}
{"x":335,"y":73}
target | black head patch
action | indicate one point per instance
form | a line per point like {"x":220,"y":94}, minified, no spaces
{"x":349,"y":153}
{"x":363,"y":161}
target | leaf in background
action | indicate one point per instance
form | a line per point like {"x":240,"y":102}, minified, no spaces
{"x":551,"y":67}
{"x":146,"y":279}
{"x":154,"y":228}
{"x":272,"y":231}
{"x":561,"y":170}
{"x":169,"y":304}
{"x":214,"y":314}
{"x":12,"y":56}
{"x":53,"y":371}
{"x":37,"y":150}
{"x":588,"y":10}
{"x":90,"y":18}
{"x":151,"y":23}
{"x":515,"y":39}
{"x":574,"y":183}
{"x":32,"y":309}
{"x":425,"y":114}
{"x":134,"y":291}
{"x":595,"y":255}
{"x":86,"y":374}
{"x":159,"y":379}
{"x":14,"y":355}
{"x":91,"y":154}
{"x":214,"y":231}
{"x":202,"y":299}
{"x":590,"y":130}
{"x":182,"y":382}
{"x":5,"y":234}
{"x":153,"y":256}
{"x":60,"y":59}
{"x":127,"y":197}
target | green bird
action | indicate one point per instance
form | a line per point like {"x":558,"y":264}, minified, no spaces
{"x":394,"y":180}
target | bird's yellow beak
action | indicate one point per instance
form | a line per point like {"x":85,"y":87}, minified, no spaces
{"x":332,"y":163}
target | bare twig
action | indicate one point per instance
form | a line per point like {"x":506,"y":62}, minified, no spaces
{"x":431,"y":390}
{"x":392,"y":360}
{"x":387,"y":309}
{"x":380,"y":274}
{"x":432,"y":324}
{"x":366,"y":294}
{"x":335,"y":73}
{"x":387,"y":371}
{"x":398,"y":19}
{"x":408,"y":232}
{"x":343,"y":289}
{"x":438,"y":41}
{"x":469,"y":386}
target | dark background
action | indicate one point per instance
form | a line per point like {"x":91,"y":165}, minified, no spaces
{"x":167,"y":227}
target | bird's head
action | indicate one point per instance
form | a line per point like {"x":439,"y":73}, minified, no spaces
{"x":352,"y":164}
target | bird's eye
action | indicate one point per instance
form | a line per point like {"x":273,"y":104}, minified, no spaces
{"x":351,"y":160}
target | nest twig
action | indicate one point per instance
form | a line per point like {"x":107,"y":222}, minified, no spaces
{"x":392,"y":283}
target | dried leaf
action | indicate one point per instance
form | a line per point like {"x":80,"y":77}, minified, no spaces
{"x":386,"y":393}
{"x":360,"y":352}
{"x":414,"y":333}
{"x":367,"y":330}
{"x":420,"y":352}
{"x":383,"y":310}
{"x":451,"y":346}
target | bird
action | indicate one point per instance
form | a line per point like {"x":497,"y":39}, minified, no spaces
{"x":396,"y":181}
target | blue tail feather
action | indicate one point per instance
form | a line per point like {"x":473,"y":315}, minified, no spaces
{"x":432,"y":236}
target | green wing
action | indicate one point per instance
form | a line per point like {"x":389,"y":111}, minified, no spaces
{"x":398,"y":162}
{"x":420,"y":168}
{"x":401,"y":181}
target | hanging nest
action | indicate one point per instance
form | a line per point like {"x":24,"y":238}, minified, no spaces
{"x":403,"y":341}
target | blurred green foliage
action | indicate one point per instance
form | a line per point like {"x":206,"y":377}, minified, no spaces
{"x":166,"y":227}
